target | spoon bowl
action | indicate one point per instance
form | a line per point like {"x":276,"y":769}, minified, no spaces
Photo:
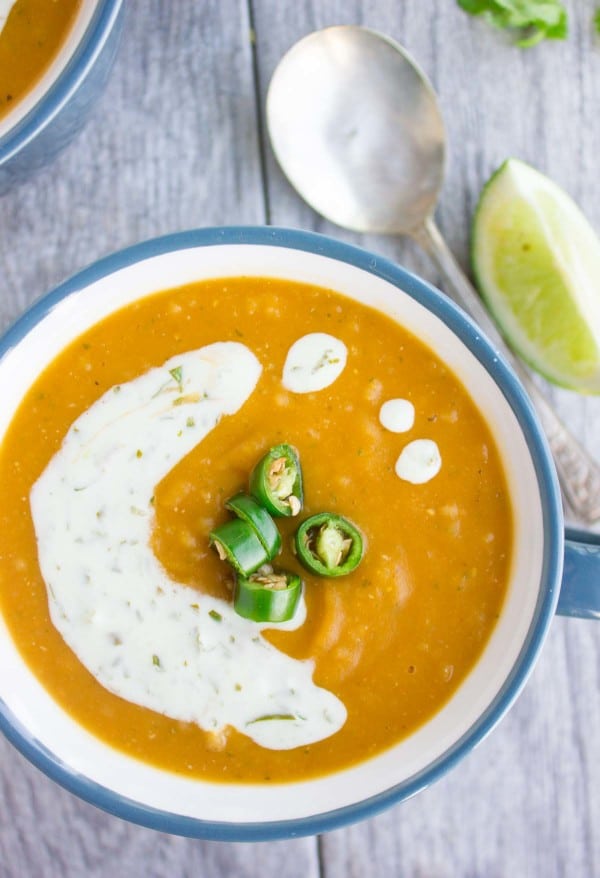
{"x":369,"y":154}
{"x":356,"y":128}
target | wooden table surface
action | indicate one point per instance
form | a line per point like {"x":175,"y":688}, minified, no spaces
{"x":177,"y":142}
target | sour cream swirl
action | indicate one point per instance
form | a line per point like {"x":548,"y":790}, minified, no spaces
{"x":146,"y":638}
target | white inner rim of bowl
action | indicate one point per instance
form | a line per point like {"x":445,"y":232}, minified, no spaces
{"x":47,"y":80}
{"x":88,"y":756}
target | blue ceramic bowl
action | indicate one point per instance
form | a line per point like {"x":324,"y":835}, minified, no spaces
{"x":45,"y":121}
{"x":54,"y":742}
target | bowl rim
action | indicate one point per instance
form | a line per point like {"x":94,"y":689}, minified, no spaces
{"x":470,"y":335}
{"x":66,"y":83}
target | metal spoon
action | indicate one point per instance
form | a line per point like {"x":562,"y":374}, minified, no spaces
{"x":356,"y":128}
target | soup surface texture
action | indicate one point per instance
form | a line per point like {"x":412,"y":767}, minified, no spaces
{"x":393,"y":442}
{"x":33,"y":32}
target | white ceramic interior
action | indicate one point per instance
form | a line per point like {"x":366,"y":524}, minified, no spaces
{"x":24,"y":106}
{"x":33,"y":707}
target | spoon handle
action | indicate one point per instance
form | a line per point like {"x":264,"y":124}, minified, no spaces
{"x":578,"y":473}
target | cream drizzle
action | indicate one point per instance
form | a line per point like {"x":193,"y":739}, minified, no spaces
{"x":146,"y":638}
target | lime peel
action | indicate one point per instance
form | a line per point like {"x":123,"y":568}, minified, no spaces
{"x":536,"y":260}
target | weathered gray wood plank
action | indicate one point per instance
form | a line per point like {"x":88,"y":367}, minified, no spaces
{"x":46,"y":832}
{"x":528,"y":801}
{"x":172,"y":145}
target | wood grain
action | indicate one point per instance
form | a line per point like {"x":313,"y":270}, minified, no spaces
{"x":174,"y":143}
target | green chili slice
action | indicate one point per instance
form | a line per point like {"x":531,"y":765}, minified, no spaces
{"x":276,"y":481}
{"x":268,"y":595}
{"x":236,"y":541}
{"x":246,"y":508}
{"x":329,"y":545}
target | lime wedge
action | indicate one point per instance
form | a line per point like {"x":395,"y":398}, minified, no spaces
{"x":536,"y":261}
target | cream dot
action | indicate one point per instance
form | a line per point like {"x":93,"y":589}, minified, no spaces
{"x":397,"y":415}
{"x":419,"y":461}
{"x":314,"y":362}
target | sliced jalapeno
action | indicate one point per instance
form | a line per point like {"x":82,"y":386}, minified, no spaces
{"x":329,"y":545}
{"x":246,"y":508}
{"x":236,"y":541}
{"x":276,"y":481}
{"x":267,"y":595}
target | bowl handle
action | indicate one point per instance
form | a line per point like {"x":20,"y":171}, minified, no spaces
{"x":580,"y":590}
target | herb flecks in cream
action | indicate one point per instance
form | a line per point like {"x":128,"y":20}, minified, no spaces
{"x":144,"y":637}
{"x":314,"y":362}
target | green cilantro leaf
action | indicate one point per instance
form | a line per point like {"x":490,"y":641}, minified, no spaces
{"x":533,"y":20}
{"x":597,"y":20}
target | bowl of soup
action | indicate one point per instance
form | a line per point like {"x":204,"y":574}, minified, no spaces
{"x":144,"y":394}
{"x":54,"y":61}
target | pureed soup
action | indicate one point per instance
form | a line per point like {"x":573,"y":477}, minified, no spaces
{"x":31,"y":35}
{"x":116,"y":470}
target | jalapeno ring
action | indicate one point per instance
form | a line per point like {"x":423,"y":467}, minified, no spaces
{"x":247,"y":509}
{"x":267,"y":595}
{"x":276,"y":481}
{"x":329,"y":545}
{"x":236,"y":541}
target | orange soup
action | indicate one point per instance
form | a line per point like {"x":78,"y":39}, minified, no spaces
{"x":31,"y":38}
{"x":380,"y":649}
